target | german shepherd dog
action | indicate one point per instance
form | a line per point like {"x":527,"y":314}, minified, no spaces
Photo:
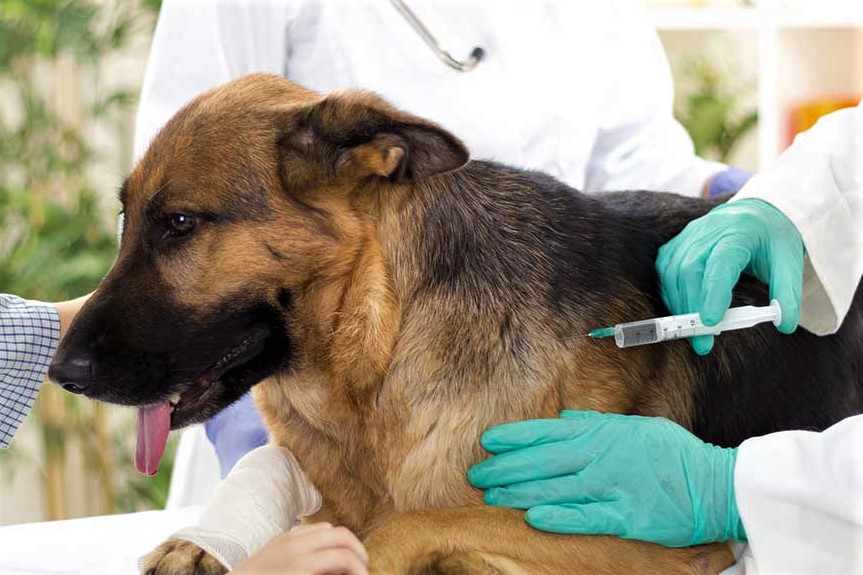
{"x":389,"y":300}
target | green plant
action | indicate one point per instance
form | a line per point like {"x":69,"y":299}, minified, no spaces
{"x":711,"y":110}
{"x":57,"y":233}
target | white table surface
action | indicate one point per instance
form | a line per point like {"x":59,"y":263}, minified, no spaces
{"x":109,"y":545}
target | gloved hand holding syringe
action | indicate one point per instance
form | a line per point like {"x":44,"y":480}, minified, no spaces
{"x":687,"y":325}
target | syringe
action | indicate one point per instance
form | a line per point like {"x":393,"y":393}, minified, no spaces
{"x":687,"y":325}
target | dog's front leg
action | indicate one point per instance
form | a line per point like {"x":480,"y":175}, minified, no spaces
{"x":265,"y":494}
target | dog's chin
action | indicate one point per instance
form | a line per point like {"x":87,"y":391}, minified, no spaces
{"x":260,"y":355}
{"x":202,"y":399}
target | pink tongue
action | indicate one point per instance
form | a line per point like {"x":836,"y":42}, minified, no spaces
{"x":154,"y":423}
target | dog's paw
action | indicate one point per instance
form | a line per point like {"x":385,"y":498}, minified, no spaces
{"x":178,"y":557}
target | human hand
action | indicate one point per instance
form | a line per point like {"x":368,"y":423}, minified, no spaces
{"x":591,"y":473}
{"x":699,"y":268}
{"x":316,"y":549}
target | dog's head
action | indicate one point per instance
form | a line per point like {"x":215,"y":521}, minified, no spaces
{"x":246,"y":205}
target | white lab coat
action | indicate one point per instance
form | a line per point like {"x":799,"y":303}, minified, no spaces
{"x":800,"y":494}
{"x":578,"y":89}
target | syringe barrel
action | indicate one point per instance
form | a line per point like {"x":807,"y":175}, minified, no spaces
{"x":660,"y":329}
{"x":637,"y":333}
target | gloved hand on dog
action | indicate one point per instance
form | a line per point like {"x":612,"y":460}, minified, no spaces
{"x":699,"y":268}
{"x":592,"y":473}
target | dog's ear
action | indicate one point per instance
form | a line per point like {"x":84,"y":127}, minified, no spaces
{"x":365,"y":137}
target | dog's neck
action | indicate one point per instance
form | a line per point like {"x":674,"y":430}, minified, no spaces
{"x":449,"y":246}
{"x":367,"y":322}
{"x":498,"y":263}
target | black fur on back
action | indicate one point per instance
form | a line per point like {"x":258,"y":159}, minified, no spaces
{"x":498,"y":228}
{"x":756,"y":381}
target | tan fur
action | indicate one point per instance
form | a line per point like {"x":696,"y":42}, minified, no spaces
{"x":366,"y":406}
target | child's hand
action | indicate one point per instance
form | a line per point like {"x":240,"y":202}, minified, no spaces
{"x":317,"y":549}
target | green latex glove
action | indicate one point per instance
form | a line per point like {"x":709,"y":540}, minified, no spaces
{"x":699,"y":268}
{"x":592,"y":473}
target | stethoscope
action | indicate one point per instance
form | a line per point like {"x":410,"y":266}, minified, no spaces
{"x":476,"y":54}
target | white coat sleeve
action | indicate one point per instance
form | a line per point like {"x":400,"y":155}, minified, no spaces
{"x":200,"y":44}
{"x":818,"y":184}
{"x":640,"y":145}
{"x":800,"y":496}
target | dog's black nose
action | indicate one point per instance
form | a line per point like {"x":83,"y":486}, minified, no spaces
{"x":73,"y":374}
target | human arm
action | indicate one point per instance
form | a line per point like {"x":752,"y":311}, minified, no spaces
{"x":640,"y":145}
{"x":316,"y":549}
{"x":818,"y":185}
{"x":67,"y":310}
{"x":800,"y":496}
{"x":29,"y":334}
{"x":813,"y":198}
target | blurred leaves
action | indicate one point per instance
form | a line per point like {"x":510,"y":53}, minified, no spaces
{"x":45,"y":28}
{"x":54,"y":251}
{"x":83,"y":29}
{"x":56,"y":242}
{"x":711,"y":110}
{"x":154,"y":5}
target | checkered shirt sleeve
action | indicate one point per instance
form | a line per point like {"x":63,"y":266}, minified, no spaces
{"x":29,"y":334}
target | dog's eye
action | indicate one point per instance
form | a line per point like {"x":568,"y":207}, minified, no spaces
{"x":180,"y":224}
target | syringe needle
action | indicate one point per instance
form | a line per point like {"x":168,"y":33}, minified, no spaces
{"x":601,"y":333}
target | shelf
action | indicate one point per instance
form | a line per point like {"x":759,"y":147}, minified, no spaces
{"x":682,"y":19}
{"x":794,"y":53}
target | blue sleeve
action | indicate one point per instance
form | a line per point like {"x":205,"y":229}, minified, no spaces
{"x":728,"y":182}
{"x":29,"y":335}
{"x":235,"y":431}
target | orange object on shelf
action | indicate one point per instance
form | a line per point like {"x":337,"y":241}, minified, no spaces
{"x":803,"y":116}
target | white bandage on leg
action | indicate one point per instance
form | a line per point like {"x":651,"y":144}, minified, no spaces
{"x":265,"y":494}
